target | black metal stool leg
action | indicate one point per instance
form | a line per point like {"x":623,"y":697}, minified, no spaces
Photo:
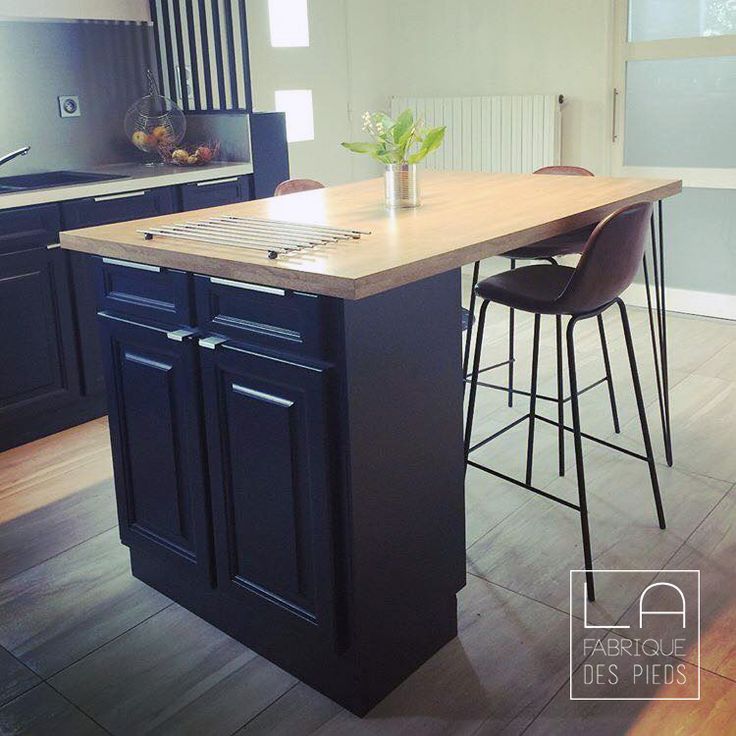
{"x":532,"y":401}
{"x":655,"y":349}
{"x":583,"y":503}
{"x":474,"y":379}
{"x":642,"y":414}
{"x":609,"y":377}
{"x":511,"y":347}
{"x":469,"y":331}
{"x":560,"y":398}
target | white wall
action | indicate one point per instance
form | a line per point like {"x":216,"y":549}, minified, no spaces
{"x":77,"y":9}
{"x":340,"y":69}
{"x":475,"y":47}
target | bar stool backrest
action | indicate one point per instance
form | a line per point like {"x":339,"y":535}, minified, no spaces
{"x":610,"y":260}
{"x":290,"y":186}
{"x":564,"y":171}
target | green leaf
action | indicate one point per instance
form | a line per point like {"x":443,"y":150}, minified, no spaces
{"x":360,"y":147}
{"x":404,"y":125}
{"x":432,"y":141}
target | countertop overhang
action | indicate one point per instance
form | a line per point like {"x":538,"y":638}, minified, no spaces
{"x":137,"y":176}
{"x":464,"y":217}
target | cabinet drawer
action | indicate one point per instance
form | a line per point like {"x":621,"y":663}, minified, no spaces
{"x":263,"y":316}
{"x":29,"y":227}
{"x":118,"y":207}
{"x":216,"y":192}
{"x":145,"y":292}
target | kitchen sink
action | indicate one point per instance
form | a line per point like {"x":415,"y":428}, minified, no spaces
{"x":26,"y":182}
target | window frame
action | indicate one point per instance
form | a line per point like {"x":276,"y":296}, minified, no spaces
{"x":663,"y":49}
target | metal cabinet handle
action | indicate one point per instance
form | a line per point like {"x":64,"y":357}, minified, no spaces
{"x":131,"y":264}
{"x":211,"y":342}
{"x":210,"y":182}
{"x":123,"y":195}
{"x":182,"y":335}
{"x":248,"y":286}
{"x":53,"y":246}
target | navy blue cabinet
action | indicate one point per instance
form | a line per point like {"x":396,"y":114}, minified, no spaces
{"x":38,"y":365}
{"x":215,"y":192}
{"x":155,"y":427}
{"x":100,"y":211}
{"x":269,"y":459}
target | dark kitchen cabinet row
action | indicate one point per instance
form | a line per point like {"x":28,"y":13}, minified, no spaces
{"x":51,"y":374}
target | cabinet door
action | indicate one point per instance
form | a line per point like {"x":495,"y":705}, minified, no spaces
{"x":38,"y":366}
{"x":155,"y":427}
{"x":270,"y":476}
{"x":215,"y":192}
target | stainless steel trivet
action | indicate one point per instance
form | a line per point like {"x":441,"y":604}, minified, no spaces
{"x":275,"y":237}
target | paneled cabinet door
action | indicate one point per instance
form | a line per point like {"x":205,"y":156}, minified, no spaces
{"x":155,"y":427}
{"x":270,"y":474}
{"x":38,"y":367}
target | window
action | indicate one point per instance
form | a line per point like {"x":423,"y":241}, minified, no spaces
{"x":289,"y":23}
{"x":675,"y":87}
{"x":297,"y":104}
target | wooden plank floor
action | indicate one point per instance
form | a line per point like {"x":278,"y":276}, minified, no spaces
{"x":86,"y":649}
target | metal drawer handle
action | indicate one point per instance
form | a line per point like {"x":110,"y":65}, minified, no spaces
{"x":53,"y":246}
{"x":131,"y":264}
{"x":210,"y":182}
{"x":124,"y":195}
{"x":182,"y":335}
{"x":211,"y":342}
{"x":248,"y":286}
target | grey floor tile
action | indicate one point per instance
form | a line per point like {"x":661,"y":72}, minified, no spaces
{"x":62,"y":609}
{"x":43,"y":712}
{"x":174,"y":674}
{"x":15,"y":677}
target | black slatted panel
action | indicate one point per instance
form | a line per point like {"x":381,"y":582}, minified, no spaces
{"x":202,"y":48}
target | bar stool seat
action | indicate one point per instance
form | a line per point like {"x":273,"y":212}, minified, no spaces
{"x":530,"y":288}
{"x":565,"y":244}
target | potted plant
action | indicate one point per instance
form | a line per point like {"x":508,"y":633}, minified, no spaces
{"x":400,"y":145}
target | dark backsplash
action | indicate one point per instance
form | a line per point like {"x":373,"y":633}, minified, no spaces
{"x":104,"y":63}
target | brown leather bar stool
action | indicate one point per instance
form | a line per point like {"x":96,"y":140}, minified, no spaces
{"x":607,"y":266}
{"x":291,"y":186}
{"x":570,"y":243}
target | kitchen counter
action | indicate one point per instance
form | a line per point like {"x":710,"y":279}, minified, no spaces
{"x":138,"y":176}
{"x":464,"y":217}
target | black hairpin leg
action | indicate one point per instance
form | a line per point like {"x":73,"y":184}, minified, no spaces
{"x":560,"y":398}
{"x":609,"y":377}
{"x":642,"y":414}
{"x":659,"y":345}
{"x":532,"y":402}
{"x":583,"y":503}
{"x":471,"y":309}
{"x":511,"y":347}
{"x":474,"y":382}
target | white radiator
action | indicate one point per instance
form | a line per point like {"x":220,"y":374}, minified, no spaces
{"x":512,"y":134}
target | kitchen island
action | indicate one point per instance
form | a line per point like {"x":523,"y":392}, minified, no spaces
{"x":287,"y":433}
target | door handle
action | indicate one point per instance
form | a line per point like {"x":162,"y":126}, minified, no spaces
{"x":132,"y":264}
{"x":211,"y":182}
{"x":182,"y":335}
{"x":614,"y":132}
{"x":211,"y":342}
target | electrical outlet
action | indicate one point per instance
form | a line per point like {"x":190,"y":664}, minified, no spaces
{"x":69,"y":106}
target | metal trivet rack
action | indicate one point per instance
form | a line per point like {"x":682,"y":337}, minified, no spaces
{"x":274,"y":237}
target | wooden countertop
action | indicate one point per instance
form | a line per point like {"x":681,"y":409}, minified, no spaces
{"x":464,"y":217}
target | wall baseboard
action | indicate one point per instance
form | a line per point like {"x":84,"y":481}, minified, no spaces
{"x":687,"y":301}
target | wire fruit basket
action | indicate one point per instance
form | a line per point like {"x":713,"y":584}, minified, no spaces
{"x":154,"y":123}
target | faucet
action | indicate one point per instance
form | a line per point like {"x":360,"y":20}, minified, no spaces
{"x":14,"y":154}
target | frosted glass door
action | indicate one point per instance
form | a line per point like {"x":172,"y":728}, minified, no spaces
{"x":681,"y":113}
{"x":652,"y":20}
